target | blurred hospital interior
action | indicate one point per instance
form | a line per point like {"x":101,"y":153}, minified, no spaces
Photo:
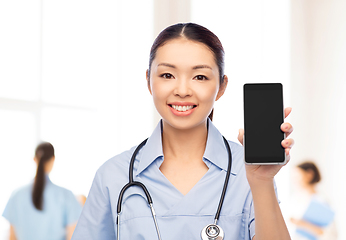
{"x":72,"y":72}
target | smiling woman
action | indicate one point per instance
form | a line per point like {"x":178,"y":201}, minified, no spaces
{"x":183,"y":164}
{"x":203,"y":36}
{"x":185,"y":69}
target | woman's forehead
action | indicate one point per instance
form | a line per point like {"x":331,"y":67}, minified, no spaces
{"x":184,"y":51}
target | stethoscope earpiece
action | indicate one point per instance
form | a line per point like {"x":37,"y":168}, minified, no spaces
{"x":212,"y":232}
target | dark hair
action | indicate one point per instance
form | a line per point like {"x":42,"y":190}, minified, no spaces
{"x":193,"y":32}
{"x":310,"y":166}
{"x":43,"y":153}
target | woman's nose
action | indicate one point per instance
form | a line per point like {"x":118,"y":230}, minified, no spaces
{"x":183,"y":88}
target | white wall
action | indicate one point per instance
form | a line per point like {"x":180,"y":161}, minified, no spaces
{"x":318,"y":83}
{"x":70,"y":71}
{"x":71,"y":68}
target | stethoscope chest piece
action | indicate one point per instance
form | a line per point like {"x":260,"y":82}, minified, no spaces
{"x":209,"y":232}
{"x":212,"y":232}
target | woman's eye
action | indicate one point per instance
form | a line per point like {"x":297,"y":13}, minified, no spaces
{"x":201,"y":77}
{"x":166,"y":75}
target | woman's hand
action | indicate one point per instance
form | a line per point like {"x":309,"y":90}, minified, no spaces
{"x":312,"y":228}
{"x":266,"y":173}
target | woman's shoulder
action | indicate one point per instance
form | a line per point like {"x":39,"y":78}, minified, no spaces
{"x":59,"y":189}
{"x":117,"y":165}
{"x":321,"y":197}
{"x":237,"y":147}
{"x":237,"y":151}
{"x":21,"y":191}
{"x":121,"y":159}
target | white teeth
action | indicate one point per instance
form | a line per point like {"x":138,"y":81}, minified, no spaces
{"x":182,"y":108}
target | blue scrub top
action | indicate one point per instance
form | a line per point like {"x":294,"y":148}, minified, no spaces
{"x":60,"y":208}
{"x":178,"y":216}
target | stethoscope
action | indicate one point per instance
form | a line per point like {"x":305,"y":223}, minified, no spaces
{"x":209,"y":232}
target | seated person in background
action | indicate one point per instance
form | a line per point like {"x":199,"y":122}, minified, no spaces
{"x":314,"y":218}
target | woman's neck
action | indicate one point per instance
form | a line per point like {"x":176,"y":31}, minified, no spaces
{"x":311,"y":189}
{"x":184,"y":145}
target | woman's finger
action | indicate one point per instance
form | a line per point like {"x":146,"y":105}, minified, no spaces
{"x":287,"y":128}
{"x":241,"y":136}
{"x":287,"y":143}
{"x":288,"y":110}
{"x":287,"y":152}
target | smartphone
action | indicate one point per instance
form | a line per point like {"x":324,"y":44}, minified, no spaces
{"x":263,"y":116}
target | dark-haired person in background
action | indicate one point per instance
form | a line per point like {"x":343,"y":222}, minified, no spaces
{"x":313,"y":216}
{"x":42,"y":210}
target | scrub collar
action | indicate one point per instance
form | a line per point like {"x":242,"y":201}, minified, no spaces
{"x":215,"y":150}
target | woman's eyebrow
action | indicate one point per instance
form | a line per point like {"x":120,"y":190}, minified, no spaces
{"x":166,"y":64}
{"x":201,"y":66}
{"x":194,"y":68}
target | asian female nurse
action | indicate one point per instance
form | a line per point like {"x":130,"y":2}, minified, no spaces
{"x":42,"y":210}
{"x":184,"y":163}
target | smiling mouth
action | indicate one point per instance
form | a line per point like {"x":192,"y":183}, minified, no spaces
{"x":182,"y":108}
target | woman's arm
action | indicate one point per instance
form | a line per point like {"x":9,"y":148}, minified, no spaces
{"x":269,"y":223}
{"x":12,"y":233}
{"x":314,"y":229}
{"x":96,"y":220}
{"x":70,"y":230}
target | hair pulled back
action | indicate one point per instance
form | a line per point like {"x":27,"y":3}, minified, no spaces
{"x":309,"y":166}
{"x":193,"y":32}
{"x":43,"y":153}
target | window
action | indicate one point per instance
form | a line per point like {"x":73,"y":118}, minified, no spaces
{"x":69,"y":72}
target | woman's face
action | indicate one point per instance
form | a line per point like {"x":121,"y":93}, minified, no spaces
{"x":302,"y":178}
{"x":184,"y":83}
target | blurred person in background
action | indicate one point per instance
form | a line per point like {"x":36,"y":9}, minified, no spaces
{"x":81,"y":199}
{"x":42,"y":210}
{"x":312,"y":215}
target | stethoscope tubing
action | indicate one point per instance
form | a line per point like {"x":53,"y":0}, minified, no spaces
{"x":229,"y":167}
{"x":149,"y":199}
{"x":132,"y":162}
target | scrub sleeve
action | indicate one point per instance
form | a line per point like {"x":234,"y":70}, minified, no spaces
{"x":97,"y":221}
{"x":72,"y":209}
{"x":10,"y":212}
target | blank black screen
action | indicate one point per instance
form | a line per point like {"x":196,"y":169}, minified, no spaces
{"x":263,"y":116}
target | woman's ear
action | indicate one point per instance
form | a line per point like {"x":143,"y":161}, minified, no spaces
{"x":310,"y":174}
{"x":148,"y":80}
{"x":222,"y":87}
